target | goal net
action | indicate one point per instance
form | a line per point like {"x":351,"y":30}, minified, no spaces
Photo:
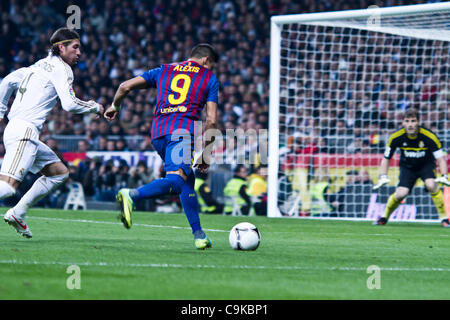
{"x":339,"y":83}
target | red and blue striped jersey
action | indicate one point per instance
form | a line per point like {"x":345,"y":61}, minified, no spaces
{"x":182,"y":90}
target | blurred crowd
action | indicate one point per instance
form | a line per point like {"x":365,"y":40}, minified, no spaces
{"x":123,"y":39}
{"x":344,"y":90}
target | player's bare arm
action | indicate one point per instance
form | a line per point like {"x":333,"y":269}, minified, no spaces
{"x":443,"y":179}
{"x":383,"y":171}
{"x":124,"y":89}
{"x":442,"y":165}
{"x":204,"y":160}
{"x":384,"y":167}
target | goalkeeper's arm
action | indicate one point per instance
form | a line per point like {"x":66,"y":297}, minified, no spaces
{"x":443,"y":179}
{"x":383,"y":180}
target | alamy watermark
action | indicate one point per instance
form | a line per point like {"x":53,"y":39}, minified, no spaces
{"x":374,"y":280}
{"x":74,"y":20}
{"x":74,"y":280}
{"x":234,"y":145}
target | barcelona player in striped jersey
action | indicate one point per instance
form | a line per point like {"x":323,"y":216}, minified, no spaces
{"x":183,"y":90}
{"x":420,"y":149}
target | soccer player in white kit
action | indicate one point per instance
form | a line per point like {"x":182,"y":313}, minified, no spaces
{"x":38,"y":88}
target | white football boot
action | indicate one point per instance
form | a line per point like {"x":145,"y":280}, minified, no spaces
{"x":19,"y":224}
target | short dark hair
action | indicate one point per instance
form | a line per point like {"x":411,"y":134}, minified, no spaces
{"x":60,"y":35}
{"x":411,"y":113}
{"x":239,"y":167}
{"x":205,"y":50}
{"x":201,"y":175}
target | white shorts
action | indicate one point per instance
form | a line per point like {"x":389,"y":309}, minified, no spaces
{"x":24,"y":151}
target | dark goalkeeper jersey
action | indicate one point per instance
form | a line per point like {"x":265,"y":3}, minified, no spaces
{"x":415,"y":152}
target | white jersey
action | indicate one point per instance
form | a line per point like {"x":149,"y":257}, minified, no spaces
{"x":38,"y":88}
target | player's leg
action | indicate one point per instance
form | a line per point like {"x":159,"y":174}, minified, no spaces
{"x":438,"y":199}
{"x":8,"y":186}
{"x":53,"y":171}
{"x":181,"y":158}
{"x":16,"y":138}
{"x":170,"y":184}
{"x":189,"y":201}
{"x":394,"y":201}
{"x":53,"y":175}
{"x":177,"y":152}
{"x":174,"y":179}
{"x":21,"y":149}
{"x":407,"y":180}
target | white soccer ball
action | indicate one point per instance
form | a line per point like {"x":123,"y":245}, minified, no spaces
{"x":244,"y":236}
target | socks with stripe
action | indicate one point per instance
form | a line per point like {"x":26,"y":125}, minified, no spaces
{"x":391,"y":205}
{"x":438,"y":199}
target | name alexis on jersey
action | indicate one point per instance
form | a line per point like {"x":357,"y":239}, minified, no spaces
{"x":187,"y":68}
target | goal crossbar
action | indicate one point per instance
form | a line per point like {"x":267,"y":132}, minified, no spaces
{"x":360,"y":13}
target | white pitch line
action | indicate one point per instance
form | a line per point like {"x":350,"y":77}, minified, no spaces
{"x":118,"y":223}
{"x":200,"y":266}
{"x":177,"y":227}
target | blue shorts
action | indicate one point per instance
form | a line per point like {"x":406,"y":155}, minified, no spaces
{"x":177,"y":151}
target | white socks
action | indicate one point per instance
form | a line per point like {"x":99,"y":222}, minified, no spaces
{"x":6,"y":190}
{"x":40,"y":188}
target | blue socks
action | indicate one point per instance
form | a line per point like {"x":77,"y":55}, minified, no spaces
{"x":189,"y":201}
{"x":174,"y":184}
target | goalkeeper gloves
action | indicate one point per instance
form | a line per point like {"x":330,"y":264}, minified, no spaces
{"x":443,"y":180}
{"x":381,"y":182}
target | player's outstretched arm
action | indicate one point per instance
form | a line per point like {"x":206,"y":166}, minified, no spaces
{"x":124,"y":89}
{"x":71,"y":103}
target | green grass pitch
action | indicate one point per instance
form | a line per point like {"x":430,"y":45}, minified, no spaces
{"x":156,"y":259}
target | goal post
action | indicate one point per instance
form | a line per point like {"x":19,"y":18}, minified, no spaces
{"x":339,"y":82}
